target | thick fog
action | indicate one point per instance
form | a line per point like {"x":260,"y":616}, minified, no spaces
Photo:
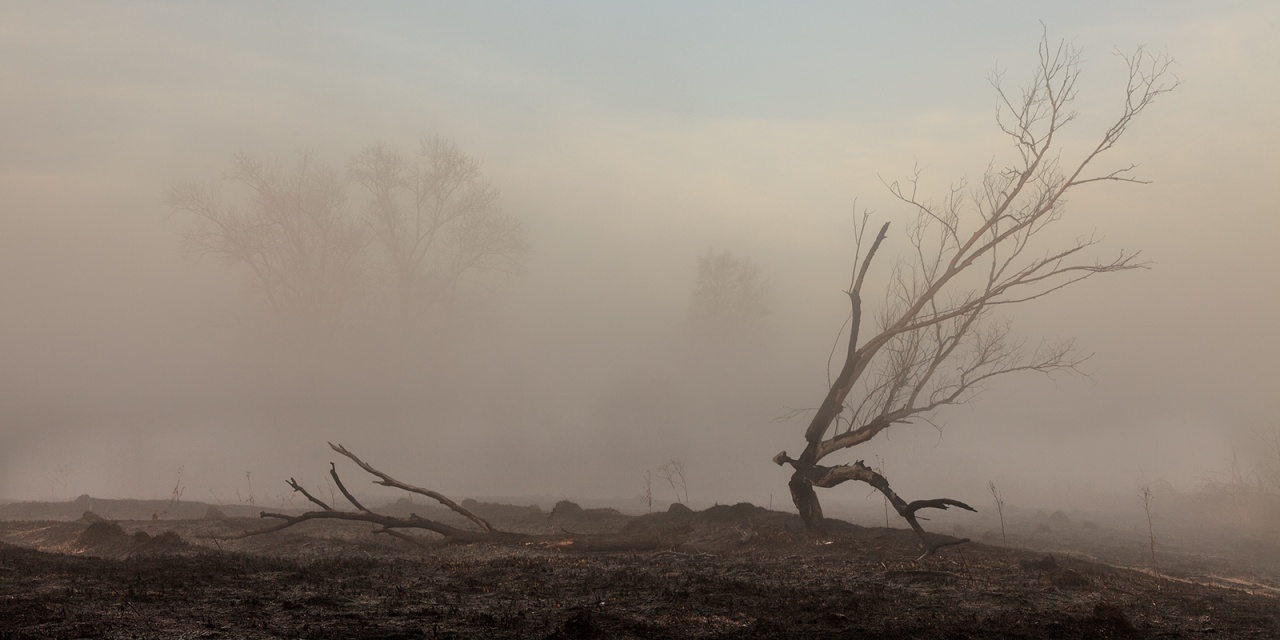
{"x":629,"y":141}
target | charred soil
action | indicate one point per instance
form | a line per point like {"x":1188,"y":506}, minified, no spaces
{"x":726,"y":572}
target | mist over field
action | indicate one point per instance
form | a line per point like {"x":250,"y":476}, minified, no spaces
{"x":627,"y":142}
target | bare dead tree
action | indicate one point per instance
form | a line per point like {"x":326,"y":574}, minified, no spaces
{"x":292,"y":233}
{"x":437,"y":222}
{"x":937,"y":339}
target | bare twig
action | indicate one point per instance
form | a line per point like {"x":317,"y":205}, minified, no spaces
{"x":1147,"y":499}
{"x":995,"y":493}
{"x":298,"y":488}
{"x":673,"y":473}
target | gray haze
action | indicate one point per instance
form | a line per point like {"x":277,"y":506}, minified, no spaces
{"x":630,"y":140}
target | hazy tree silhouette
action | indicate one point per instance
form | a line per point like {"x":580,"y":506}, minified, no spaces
{"x":436,"y":223}
{"x":292,"y":231}
{"x":424,"y":226}
{"x":936,"y":339}
{"x":729,"y":293}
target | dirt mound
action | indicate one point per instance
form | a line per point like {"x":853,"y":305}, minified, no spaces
{"x":117,"y":510}
{"x":498,"y":510}
{"x":101,"y":532}
{"x":1058,"y":520}
{"x":566,"y":507}
{"x":569,"y":516}
{"x":165,"y":540}
{"x":743,"y":512}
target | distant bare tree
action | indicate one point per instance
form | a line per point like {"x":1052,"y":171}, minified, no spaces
{"x":431,"y":218}
{"x":729,"y":294}
{"x":937,"y":340}
{"x":293,"y":234}
{"x":673,"y":473}
{"x":437,"y":223}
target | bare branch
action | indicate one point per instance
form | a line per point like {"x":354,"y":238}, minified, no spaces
{"x":297,"y":487}
{"x":392,"y":526}
{"x":828,"y":477}
{"x":388,"y":481}
{"x":866,"y":263}
{"x":333,"y":471}
{"x":387,"y":522}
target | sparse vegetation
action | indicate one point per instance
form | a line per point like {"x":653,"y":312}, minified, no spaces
{"x":647,"y":496}
{"x":248,"y":497}
{"x":175,"y":495}
{"x":1147,"y":499}
{"x":59,"y":481}
{"x":673,"y":472}
{"x":995,"y":493}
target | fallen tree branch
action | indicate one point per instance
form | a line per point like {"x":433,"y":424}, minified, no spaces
{"x":450,"y":533}
{"x":387,"y":481}
{"x":827,"y":477}
{"x":393,"y":525}
{"x":388,"y":523}
{"x":396,"y":534}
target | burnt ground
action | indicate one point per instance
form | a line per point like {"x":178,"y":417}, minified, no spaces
{"x":726,"y":572}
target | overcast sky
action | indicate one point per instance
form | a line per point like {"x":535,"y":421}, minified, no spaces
{"x":630,"y":138}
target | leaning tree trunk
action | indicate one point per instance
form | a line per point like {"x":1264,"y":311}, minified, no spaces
{"x":802,"y":493}
{"x":808,"y":474}
{"x":806,"y":501}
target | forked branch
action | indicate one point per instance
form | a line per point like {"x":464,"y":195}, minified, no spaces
{"x":387,"y":481}
{"x":389,"y":524}
{"x":828,"y":477}
{"x":394,"y":526}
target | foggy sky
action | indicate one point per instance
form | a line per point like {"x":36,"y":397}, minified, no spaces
{"x":630,"y":139}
